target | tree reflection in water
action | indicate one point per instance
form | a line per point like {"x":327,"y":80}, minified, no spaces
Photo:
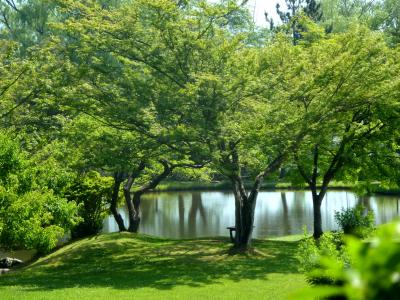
{"x":194,"y":214}
{"x":286,"y":221}
{"x":197,"y":207}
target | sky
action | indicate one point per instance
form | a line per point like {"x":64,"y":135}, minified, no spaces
{"x":258,"y":7}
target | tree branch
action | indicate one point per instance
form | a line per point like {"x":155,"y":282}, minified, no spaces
{"x":32,"y":94}
{"x":13,"y":82}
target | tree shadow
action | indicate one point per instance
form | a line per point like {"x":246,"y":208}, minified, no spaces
{"x":125,"y":261}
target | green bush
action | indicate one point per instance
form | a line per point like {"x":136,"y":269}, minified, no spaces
{"x":92,"y":193}
{"x":32,"y":214}
{"x":310,"y":252}
{"x":355,"y":222}
{"x":374,"y":272}
{"x":34,"y":220}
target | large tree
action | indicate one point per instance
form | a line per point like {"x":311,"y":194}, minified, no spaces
{"x":346,"y":86}
{"x":129,"y":82}
{"x":178,"y":77}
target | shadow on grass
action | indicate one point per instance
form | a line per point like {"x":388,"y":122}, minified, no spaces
{"x":124,"y":261}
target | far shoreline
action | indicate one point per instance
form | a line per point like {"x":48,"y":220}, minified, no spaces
{"x":224,"y":186}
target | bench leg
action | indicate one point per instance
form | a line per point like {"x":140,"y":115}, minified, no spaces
{"x":231,"y":236}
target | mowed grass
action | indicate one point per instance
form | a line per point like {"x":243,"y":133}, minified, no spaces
{"x":128,"y":266}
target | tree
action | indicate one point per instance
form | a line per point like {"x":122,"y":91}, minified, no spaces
{"x":310,"y":8}
{"x":340,"y":15}
{"x":14,"y":90}
{"x":140,"y":86}
{"x":346,"y":87}
{"x":185,"y":80}
{"x":388,"y":18}
{"x":92,"y":193}
{"x":24,"y":21}
{"x":137,"y":164}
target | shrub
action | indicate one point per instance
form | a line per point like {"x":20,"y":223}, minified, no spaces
{"x":32,"y":214}
{"x":355,"y":222}
{"x":310,"y":252}
{"x":374,"y":272}
{"x":92,"y":193}
{"x":34,"y":220}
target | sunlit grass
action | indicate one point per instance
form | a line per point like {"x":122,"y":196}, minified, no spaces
{"x":125,"y":266}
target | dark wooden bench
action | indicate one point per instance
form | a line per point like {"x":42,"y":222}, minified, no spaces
{"x":231,"y":229}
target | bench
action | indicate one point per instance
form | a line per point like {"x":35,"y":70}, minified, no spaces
{"x":231,"y":229}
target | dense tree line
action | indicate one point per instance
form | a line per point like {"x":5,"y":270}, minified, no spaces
{"x":138,"y":90}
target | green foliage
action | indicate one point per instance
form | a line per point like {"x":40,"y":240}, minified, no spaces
{"x":33,"y":215}
{"x":25,"y":21}
{"x":310,"y":251}
{"x":373,"y":272}
{"x":92,"y":193}
{"x":34,"y":220}
{"x":355,"y":221}
{"x":131,"y":84}
{"x":10,"y":158}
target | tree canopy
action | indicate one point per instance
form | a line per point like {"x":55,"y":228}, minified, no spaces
{"x":138,"y":90}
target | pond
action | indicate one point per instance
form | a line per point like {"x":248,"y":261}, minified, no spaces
{"x":195,"y":214}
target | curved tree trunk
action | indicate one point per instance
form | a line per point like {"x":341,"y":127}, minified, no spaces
{"x":134,"y":204}
{"x":311,"y":179}
{"x":133,"y":213}
{"x":131,"y":210}
{"x":118,"y":177}
{"x":135,"y":221}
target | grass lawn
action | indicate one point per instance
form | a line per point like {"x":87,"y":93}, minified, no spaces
{"x":127,"y":266}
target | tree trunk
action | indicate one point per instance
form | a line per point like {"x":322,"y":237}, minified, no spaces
{"x":133,"y":209}
{"x":132,"y":206}
{"x":317,"y":200}
{"x":245,"y":230}
{"x":244,"y":217}
{"x":245,"y":203}
{"x":135,"y":221}
{"x":114,"y":202}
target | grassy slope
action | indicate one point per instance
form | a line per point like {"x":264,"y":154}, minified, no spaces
{"x":124,"y":266}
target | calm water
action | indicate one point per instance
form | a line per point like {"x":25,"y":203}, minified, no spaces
{"x":207,"y":214}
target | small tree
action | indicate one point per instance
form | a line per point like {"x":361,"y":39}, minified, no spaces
{"x":92,"y":193}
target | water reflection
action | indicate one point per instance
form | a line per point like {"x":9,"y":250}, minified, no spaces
{"x":206,"y":214}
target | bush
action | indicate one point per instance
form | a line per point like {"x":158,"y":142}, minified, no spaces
{"x":310,"y":252}
{"x":355,"y":222}
{"x":32,"y":214}
{"x":92,"y":193}
{"x":374,"y":272}
{"x":34,"y":220}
